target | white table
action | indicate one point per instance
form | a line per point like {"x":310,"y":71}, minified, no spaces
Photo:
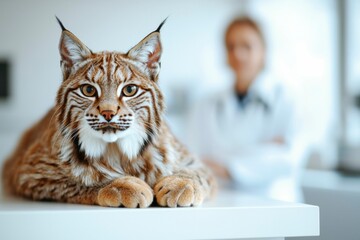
{"x":229,"y":216}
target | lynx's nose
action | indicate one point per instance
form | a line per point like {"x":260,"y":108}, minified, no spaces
{"x":108,"y":110}
{"x":108,"y":114}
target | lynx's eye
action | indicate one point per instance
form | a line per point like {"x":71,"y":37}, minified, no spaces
{"x":130,"y":90}
{"x":88,"y":90}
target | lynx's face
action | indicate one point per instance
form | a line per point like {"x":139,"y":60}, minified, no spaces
{"x":114,"y":102}
{"x":109,"y":97}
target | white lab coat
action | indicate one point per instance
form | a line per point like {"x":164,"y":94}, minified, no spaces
{"x":240,"y":136}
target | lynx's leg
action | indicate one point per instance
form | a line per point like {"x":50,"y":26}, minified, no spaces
{"x":46,"y":180}
{"x":187,"y":187}
{"x":127,"y":191}
{"x":40,"y":177}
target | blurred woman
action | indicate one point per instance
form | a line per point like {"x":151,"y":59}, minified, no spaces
{"x":246,"y":133}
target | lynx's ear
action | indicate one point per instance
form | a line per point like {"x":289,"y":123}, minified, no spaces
{"x":72,"y":50}
{"x":148,"y":51}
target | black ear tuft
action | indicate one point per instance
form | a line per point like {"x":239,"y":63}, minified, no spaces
{"x":61,"y":25}
{"x":160,"y":26}
{"x":72,"y":51}
{"x":148,"y":51}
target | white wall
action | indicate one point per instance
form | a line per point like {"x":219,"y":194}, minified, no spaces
{"x":303,"y":46}
{"x":353,"y":73}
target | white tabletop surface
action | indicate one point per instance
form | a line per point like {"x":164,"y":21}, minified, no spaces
{"x":230,"y":215}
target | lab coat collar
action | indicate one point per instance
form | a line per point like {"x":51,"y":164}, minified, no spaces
{"x":264,"y":88}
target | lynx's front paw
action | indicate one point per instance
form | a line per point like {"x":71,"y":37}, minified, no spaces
{"x":129,"y":192}
{"x":173,"y":191}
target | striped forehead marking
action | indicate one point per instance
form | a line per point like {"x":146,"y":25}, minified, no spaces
{"x":109,"y":68}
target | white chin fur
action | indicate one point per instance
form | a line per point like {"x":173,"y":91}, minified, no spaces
{"x":129,"y":141}
{"x":110,"y":137}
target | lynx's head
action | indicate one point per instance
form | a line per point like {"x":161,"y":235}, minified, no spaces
{"x":109,"y":97}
